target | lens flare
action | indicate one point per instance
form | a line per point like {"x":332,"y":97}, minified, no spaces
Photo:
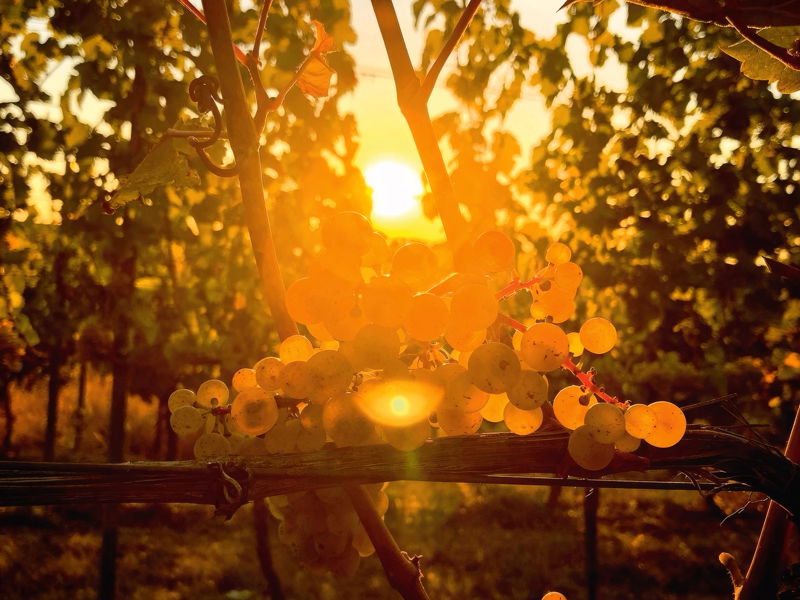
{"x":399,"y":403}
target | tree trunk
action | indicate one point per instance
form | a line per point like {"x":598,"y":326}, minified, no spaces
{"x":5,"y":398}
{"x":53,"y":389}
{"x":79,"y":418}
{"x":261,"y":530}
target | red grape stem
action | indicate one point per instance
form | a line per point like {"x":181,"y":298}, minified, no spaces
{"x":586,"y":379}
{"x":517,"y":285}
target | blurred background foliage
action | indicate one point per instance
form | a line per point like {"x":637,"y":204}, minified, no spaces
{"x":669,"y":179}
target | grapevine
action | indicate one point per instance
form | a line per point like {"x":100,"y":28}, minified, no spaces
{"x":399,"y":350}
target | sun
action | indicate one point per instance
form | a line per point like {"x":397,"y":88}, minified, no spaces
{"x":396,"y":189}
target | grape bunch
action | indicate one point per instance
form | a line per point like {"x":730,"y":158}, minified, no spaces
{"x":399,"y":349}
{"x":323,"y":530}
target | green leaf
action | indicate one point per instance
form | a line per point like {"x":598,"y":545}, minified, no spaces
{"x":164,"y":165}
{"x":759,"y":65}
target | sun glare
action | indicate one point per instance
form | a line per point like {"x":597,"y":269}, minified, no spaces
{"x":399,"y":403}
{"x":396,"y":189}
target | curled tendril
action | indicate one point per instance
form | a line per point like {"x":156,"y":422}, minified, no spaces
{"x":204,"y":91}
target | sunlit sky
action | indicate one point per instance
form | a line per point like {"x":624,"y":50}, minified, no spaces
{"x":385,"y":139}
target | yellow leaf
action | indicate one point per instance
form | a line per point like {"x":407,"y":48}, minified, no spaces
{"x":315,"y":80}
{"x":324,"y":42}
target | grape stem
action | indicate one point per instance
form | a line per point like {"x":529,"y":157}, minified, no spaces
{"x":515,"y":286}
{"x":586,"y":379}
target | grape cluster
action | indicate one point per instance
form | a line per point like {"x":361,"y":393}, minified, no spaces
{"x":399,"y":350}
{"x":321,"y":528}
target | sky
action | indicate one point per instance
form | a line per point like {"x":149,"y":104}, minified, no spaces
{"x":384,"y":134}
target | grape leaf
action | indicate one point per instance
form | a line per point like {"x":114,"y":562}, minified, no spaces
{"x":164,"y":165}
{"x":315,"y":80}
{"x":757,"y":64}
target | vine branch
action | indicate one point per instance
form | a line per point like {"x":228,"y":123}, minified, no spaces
{"x":413,"y":105}
{"x":461,"y":26}
{"x":403,"y":572}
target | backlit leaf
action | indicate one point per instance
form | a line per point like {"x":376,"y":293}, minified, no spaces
{"x":759,"y":65}
{"x":163,"y":166}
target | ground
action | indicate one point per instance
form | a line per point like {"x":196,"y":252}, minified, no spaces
{"x":478,"y":541}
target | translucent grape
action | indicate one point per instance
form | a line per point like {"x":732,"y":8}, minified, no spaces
{"x":409,"y":437}
{"x":530,"y":391}
{"x":377,"y":250}
{"x":426,"y":317}
{"x":186,"y":420}
{"x":309,"y":441}
{"x":571,"y":405}
{"x":606,"y":422}
{"x":463,"y":339}
{"x":522,"y":422}
{"x":670,"y":425}
{"x":575,"y":346}
{"x":311,"y":417}
{"x":182,"y":397}
{"x":268,"y":373}
{"x":627,"y":443}
{"x":456,"y":422}
{"x":247,"y":446}
{"x":462,"y":395}
{"x":554,"y":303}
{"x":243,"y":379}
{"x":495,"y":251}
{"x":345,"y":326}
{"x":212,"y":393}
{"x":345,"y":423}
{"x":362,"y":544}
{"x":347,"y":232}
{"x":377,"y":345}
{"x":568,"y":276}
{"x":300,"y":301}
{"x":516,"y":340}
{"x":473,"y":306}
{"x":295,"y":380}
{"x":448,"y":371}
{"x":415,"y":264}
{"x":320,"y":333}
{"x":587,"y":452}
{"x":254,"y":411}
{"x":640,"y":421}
{"x":494,"y":367}
{"x":598,"y":335}
{"x":282,"y":438}
{"x":386,"y":300}
{"x":494,"y":408}
{"x":558,"y":253}
{"x":295,"y":347}
{"x":330,"y":373}
{"x":544,"y":346}
{"x":329,"y":544}
{"x":211,"y":445}
{"x":345,"y":564}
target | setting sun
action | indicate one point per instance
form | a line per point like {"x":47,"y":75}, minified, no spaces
{"x":395,"y":188}
{"x":397,"y":201}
